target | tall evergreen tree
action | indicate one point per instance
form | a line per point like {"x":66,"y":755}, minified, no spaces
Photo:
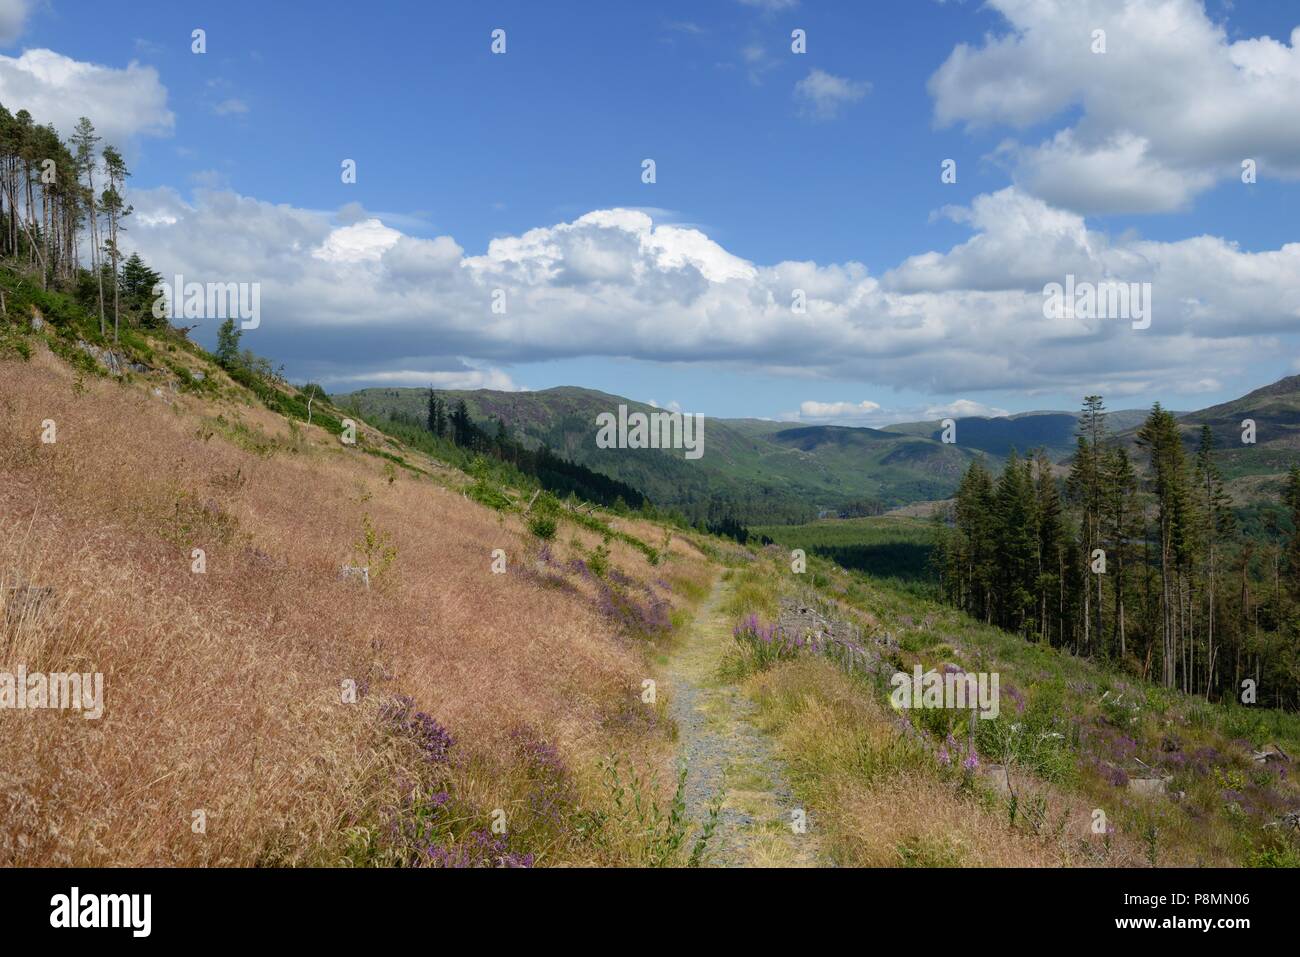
{"x":1016,"y":543}
{"x":84,"y":140}
{"x":1291,"y":498}
{"x":117,"y":210}
{"x":462,"y":426}
{"x":1214,"y":508}
{"x":436,"y":414}
{"x":975,"y":558}
{"x":1162,"y":440}
{"x":1051,"y":550}
{"x":1121,"y":516}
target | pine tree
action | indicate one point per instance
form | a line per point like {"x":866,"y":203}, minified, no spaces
{"x":436,"y":415}
{"x":117,"y":210}
{"x":974,"y":514}
{"x":1051,"y":550}
{"x":462,"y":427}
{"x":1217,"y":521}
{"x":1163,"y":441}
{"x":137,"y":283}
{"x":1121,"y":513}
{"x":1291,"y":498}
{"x":84,"y":139}
{"x":1016,"y":543}
{"x":1085,"y":487}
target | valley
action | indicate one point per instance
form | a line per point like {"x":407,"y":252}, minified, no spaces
{"x":479,"y":699}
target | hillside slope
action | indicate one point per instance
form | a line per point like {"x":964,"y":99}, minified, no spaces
{"x":1081,"y":765}
{"x":751,"y":469}
{"x":775,"y":472}
{"x":481,"y":699}
{"x":261,"y":707}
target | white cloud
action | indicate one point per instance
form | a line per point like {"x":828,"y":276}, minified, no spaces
{"x":1171,"y":107}
{"x":837,"y":410}
{"x":468,"y":378}
{"x":13,"y":19}
{"x":122,"y":104}
{"x":367,"y":240}
{"x":230,"y":107}
{"x":822,"y":95}
{"x":963,"y":408}
{"x":873,"y":415}
{"x":358,"y":291}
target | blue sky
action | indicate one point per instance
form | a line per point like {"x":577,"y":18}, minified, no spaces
{"x":830,"y":157}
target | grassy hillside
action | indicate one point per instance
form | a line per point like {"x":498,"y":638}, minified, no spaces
{"x":1082,"y":766}
{"x":492,"y":662}
{"x":263,"y":707}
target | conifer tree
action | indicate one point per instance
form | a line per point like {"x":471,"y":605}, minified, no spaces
{"x":1291,"y":498}
{"x":1163,"y":442}
{"x":1051,"y":550}
{"x":1016,"y":543}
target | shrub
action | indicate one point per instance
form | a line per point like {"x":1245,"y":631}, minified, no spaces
{"x":485,"y":493}
{"x":761,"y":646}
{"x":598,"y":559}
{"x":543,"y":526}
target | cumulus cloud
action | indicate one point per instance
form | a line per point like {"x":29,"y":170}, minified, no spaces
{"x":822,"y":95}
{"x":874,"y":415}
{"x":1171,"y":107}
{"x":964,"y":408}
{"x":123,"y":103}
{"x":13,"y":19}
{"x":467,"y":378}
{"x":837,"y":410}
{"x":616,"y":283}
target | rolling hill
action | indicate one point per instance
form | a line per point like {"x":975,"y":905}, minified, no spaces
{"x":762,"y":471}
{"x":1052,"y":431}
{"x":183,"y":532}
{"x":752,"y":469}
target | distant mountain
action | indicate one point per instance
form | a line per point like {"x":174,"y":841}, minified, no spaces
{"x":769,"y":472}
{"x":1053,"y":431}
{"x":1254,"y":471}
{"x":754,"y":469}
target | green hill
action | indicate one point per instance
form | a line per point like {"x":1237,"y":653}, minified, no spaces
{"x":761,"y":471}
{"x":753,"y":469}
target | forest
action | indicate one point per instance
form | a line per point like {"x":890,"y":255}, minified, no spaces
{"x":62,"y":206}
{"x":1134,"y":557}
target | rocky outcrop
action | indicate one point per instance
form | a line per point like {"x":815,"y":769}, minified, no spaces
{"x":837,"y":638}
{"x":113,"y":360}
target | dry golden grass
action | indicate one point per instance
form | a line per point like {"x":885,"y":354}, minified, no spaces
{"x":223,"y":690}
{"x":879,"y":802}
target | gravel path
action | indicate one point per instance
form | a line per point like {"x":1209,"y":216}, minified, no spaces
{"x":727,"y":756}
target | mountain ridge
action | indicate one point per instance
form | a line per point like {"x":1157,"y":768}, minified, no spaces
{"x":767,"y":471}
